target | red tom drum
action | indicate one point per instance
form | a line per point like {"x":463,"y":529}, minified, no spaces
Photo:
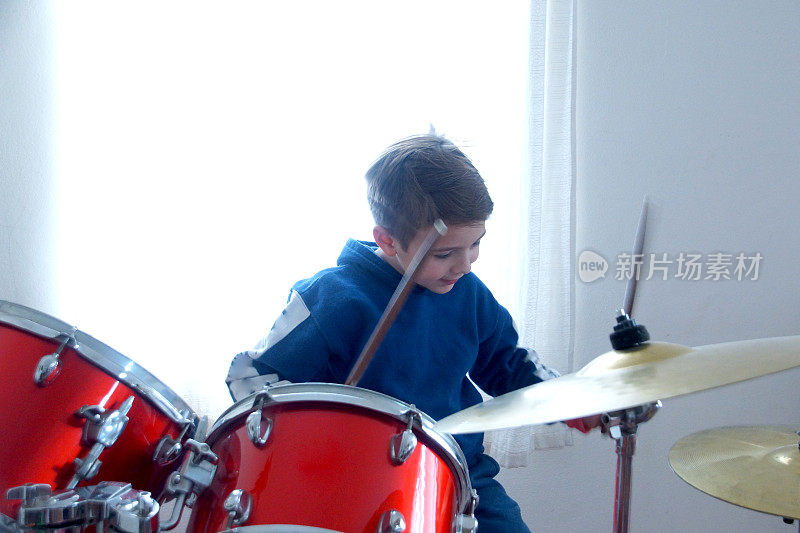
{"x":74,"y":412}
{"x":336,"y":457}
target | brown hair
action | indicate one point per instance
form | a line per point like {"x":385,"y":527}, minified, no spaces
{"x":422,"y":178}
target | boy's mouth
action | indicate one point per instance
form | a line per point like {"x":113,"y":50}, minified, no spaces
{"x":450,"y":281}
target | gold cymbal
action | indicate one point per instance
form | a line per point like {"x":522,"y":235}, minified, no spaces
{"x":622,"y":379}
{"x":754,"y":467}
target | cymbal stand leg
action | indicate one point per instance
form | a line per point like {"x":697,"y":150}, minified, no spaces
{"x":626,"y":446}
{"x":622,"y":427}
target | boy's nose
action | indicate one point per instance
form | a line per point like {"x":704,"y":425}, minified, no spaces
{"x":464,"y":265}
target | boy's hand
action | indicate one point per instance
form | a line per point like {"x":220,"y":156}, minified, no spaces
{"x":585,"y":424}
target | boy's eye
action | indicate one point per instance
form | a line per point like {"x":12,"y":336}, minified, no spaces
{"x":442,"y":256}
{"x":476,"y":244}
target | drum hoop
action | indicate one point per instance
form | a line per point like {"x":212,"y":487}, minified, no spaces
{"x":114,"y":363}
{"x":444,"y":444}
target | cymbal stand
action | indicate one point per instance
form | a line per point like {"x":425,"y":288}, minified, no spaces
{"x":622,"y":427}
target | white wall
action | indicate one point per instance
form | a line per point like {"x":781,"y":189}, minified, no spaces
{"x":26,"y":155}
{"x":696,"y":104}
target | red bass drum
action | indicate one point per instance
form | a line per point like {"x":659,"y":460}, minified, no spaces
{"x":74,"y":412}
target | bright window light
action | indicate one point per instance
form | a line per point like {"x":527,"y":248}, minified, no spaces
{"x":211,"y":154}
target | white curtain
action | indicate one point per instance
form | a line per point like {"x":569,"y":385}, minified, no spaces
{"x":545,"y":309}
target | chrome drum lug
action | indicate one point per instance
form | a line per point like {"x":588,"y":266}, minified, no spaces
{"x":392,"y":521}
{"x":238,"y":504}
{"x":403,"y":444}
{"x":254,"y":431}
{"x":46,"y":371}
{"x":49,"y":366}
{"x":466,"y":522}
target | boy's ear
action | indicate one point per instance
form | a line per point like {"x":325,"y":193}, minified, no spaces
{"x":385,"y":241}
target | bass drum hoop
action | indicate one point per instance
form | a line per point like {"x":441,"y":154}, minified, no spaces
{"x":103,"y":356}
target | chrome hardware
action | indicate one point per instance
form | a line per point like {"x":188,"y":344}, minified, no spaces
{"x":626,"y":422}
{"x":29,"y":493}
{"x":132,"y":515}
{"x":101,"y":430}
{"x":113,"y":504}
{"x":257,"y":437}
{"x":47,"y":370}
{"x":169,"y":449}
{"x":194,"y":476}
{"x":49,"y":366}
{"x":392,"y":521}
{"x":403,"y":444}
{"x":261,"y":398}
{"x":238,"y":504}
{"x":254,"y":428}
{"x":466,"y":522}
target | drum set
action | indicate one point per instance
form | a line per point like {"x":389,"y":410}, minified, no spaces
{"x":95,"y":442}
{"x":103,"y":445}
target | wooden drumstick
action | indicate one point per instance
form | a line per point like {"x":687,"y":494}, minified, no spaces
{"x":638,"y":246}
{"x":395,"y":303}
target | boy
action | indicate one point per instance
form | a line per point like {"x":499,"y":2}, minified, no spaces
{"x":449,"y":326}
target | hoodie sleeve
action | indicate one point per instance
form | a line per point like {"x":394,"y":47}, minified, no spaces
{"x":502,"y":366}
{"x":293,"y":350}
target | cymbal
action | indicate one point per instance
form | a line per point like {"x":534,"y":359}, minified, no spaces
{"x":622,"y":379}
{"x":754,"y":467}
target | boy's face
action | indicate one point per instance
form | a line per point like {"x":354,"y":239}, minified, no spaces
{"x":450,"y":257}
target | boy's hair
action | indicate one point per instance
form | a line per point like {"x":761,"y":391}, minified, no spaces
{"x":422,"y":178}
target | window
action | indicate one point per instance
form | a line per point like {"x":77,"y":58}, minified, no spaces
{"x":210,"y":156}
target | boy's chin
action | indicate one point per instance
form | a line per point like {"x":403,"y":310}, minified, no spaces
{"x":439,"y":288}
